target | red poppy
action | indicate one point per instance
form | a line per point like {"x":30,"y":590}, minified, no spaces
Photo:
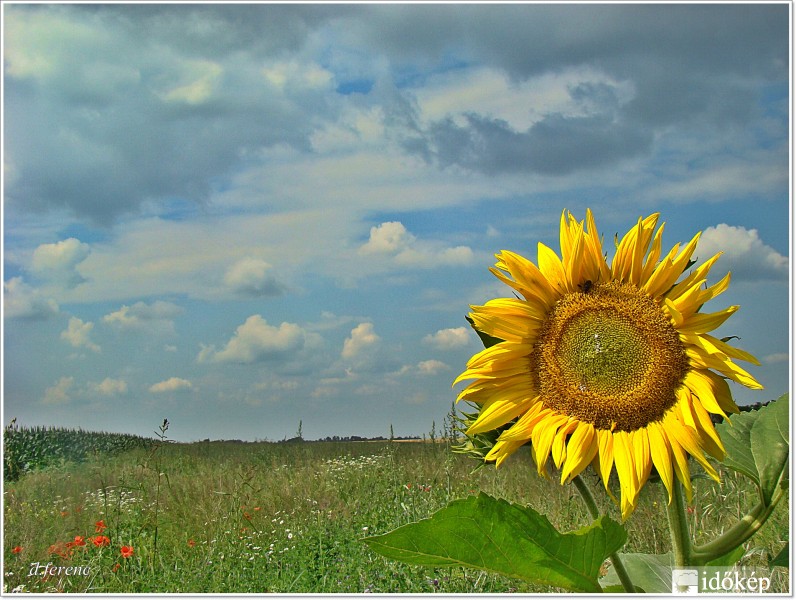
{"x":191,"y":543}
{"x":17,"y":549}
{"x":127,"y":551}
{"x":79,"y":541}
{"x":116,"y":567}
{"x":100,"y":526}
{"x":101,"y":540}
{"x":64,"y":513}
{"x":61,"y":549}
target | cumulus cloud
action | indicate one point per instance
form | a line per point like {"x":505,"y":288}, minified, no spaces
{"x":78,"y":334}
{"x":388,"y":238}
{"x":153,"y":318}
{"x":392,"y":240}
{"x":256,"y":340}
{"x":253,"y":277}
{"x":110,"y":387}
{"x":24,"y":302}
{"x":60,"y":392}
{"x":59,"y":261}
{"x":431,"y":367}
{"x":362,"y":338}
{"x":448,"y":339}
{"x":744,"y":253}
{"x":173,"y":384}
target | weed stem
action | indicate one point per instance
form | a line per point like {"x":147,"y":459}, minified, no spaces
{"x":591,"y":506}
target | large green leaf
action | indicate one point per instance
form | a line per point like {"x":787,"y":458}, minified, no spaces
{"x":486,"y":533}
{"x":758,"y":445}
{"x":650,"y":573}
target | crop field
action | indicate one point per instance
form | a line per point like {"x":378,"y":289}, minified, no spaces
{"x":227,"y":517}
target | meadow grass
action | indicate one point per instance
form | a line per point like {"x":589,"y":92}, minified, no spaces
{"x":289,"y":518}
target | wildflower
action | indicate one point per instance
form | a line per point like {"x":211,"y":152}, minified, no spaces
{"x":116,"y":567}
{"x":61,"y":549}
{"x":79,"y":541}
{"x":191,"y":543}
{"x":16,"y":550}
{"x":100,"y":540}
{"x":609,"y":365}
{"x":100,"y":526}
{"x":127,"y":551}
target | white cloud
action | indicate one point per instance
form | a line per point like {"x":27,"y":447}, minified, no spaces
{"x":173,"y":384}
{"x":448,"y":339}
{"x":388,"y":238}
{"x":22,"y":301}
{"x":391,"y":239}
{"x":744,"y":253}
{"x":58,"y":261}
{"x":256,"y":340}
{"x":77,"y":334}
{"x":777,"y":357}
{"x":59,"y":393}
{"x":362,"y":337}
{"x":492,"y":92}
{"x":110,"y":387}
{"x":153,"y":318}
{"x":431,"y":367}
{"x":252,"y":277}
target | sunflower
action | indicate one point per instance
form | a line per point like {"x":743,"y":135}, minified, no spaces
{"x":605,"y":364}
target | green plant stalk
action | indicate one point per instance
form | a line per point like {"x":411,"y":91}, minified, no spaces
{"x":678,"y":527}
{"x":737,"y":534}
{"x":591,"y":506}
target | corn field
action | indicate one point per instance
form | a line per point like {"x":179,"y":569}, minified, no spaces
{"x":28,"y":449}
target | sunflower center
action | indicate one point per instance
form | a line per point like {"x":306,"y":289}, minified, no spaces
{"x":609,"y":357}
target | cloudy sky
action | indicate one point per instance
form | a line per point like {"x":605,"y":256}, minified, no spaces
{"x":239,"y":217}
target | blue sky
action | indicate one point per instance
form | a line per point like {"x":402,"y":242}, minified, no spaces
{"x":238,"y":217}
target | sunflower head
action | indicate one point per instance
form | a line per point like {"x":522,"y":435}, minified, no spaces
{"x":605,"y":364}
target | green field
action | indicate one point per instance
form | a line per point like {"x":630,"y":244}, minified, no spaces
{"x":229,"y":517}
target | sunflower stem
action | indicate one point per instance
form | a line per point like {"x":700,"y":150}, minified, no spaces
{"x":591,"y":506}
{"x":678,"y":527}
{"x":736,"y":535}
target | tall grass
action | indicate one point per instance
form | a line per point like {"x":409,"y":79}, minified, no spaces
{"x":288,"y":518}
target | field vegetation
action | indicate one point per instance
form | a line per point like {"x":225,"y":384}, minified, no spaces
{"x":264,"y":517}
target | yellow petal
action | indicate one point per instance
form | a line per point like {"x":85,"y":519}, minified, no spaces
{"x":551,"y":267}
{"x":704,"y":322}
{"x":661,"y":455}
{"x":705,"y":389}
{"x":498,"y":411}
{"x":581,"y":449}
{"x":605,"y":441}
{"x":542,"y":439}
{"x":523,"y":428}
{"x":501,"y":451}
{"x":559,"y":449}
{"x":626,"y":470}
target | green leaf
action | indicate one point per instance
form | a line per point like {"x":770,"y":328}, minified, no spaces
{"x":651,"y":573}
{"x":729,"y":559}
{"x":757,"y":445}
{"x":781,"y":559}
{"x":485,"y":533}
